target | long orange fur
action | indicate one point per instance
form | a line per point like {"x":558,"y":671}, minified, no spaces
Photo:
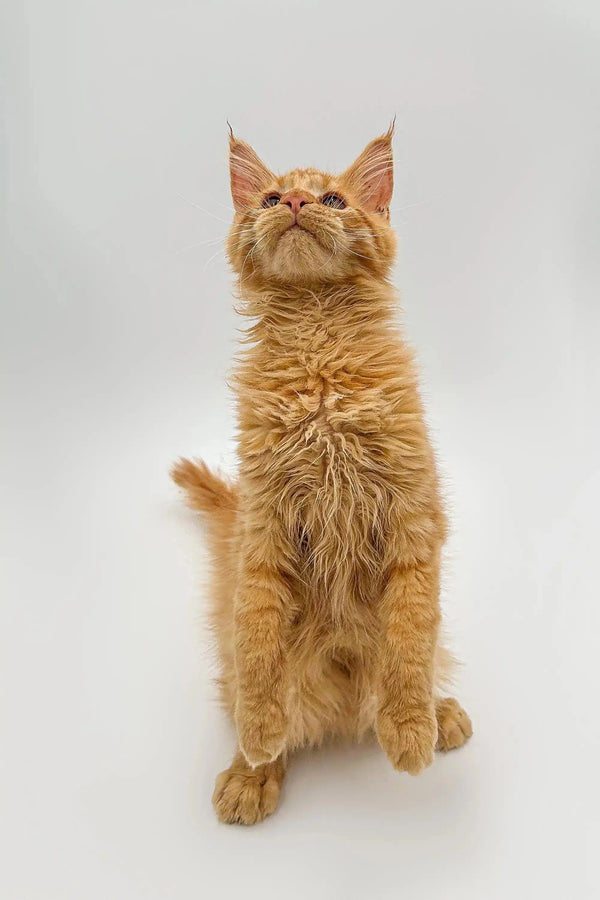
{"x":327,"y":549}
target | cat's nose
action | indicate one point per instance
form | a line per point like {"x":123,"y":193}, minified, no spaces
{"x":295,"y":200}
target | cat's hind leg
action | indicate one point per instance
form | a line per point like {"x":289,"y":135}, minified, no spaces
{"x":244,"y":795}
{"x":454,"y":725}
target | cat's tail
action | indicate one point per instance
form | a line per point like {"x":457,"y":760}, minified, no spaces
{"x":205,"y":491}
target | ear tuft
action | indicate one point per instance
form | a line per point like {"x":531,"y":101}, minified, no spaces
{"x":249,"y":175}
{"x":372,"y":174}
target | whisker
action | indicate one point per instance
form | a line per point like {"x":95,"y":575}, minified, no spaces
{"x":251,"y":250}
{"x":214,"y":256}
{"x":354,"y":253}
{"x":334,"y":251}
{"x":201,"y":208}
{"x":218,"y":240}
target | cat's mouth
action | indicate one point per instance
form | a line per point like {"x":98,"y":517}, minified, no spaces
{"x":296,"y":231}
{"x":298,"y":242}
{"x":301,"y":230}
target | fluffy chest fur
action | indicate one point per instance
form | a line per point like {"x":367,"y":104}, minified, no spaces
{"x":332,"y":440}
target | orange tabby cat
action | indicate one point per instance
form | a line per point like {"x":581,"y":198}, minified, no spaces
{"x":327,"y":550}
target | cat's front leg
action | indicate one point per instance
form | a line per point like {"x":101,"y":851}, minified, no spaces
{"x":406,"y":721}
{"x":262,"y":611}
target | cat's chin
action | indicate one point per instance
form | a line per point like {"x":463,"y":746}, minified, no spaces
{"x":301,"y":254}
{"x":299,"y":257}
{"x":295,"y":234}
{"x":304,"y":246}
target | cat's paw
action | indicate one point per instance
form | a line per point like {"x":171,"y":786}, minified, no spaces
{"x":408,"y":737}
{"x":261,"y":737}
{"x":245,"y":798}
{"x":454,"y":725}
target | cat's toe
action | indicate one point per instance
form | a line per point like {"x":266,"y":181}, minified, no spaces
{"x":454,"y":725}
{"x":246,"y":798}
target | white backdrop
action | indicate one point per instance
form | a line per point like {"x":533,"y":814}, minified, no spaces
{"x":118,"y":333}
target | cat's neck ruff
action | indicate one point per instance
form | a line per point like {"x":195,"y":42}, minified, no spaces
{"x":345,"y":307}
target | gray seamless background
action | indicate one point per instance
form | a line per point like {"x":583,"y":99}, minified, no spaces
{"x":117,"y":336}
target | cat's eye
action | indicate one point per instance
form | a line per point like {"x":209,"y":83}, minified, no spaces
{"x":271,"y":200}
{"x":334,"y":201}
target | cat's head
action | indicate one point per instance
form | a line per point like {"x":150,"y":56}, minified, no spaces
{"x":308,"y":227}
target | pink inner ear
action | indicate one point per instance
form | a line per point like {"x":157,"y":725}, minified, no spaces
{"x":248,"y":174}
{"x":372,"y":175}
{"x":241,"y":190}
{"x":378,"y":189}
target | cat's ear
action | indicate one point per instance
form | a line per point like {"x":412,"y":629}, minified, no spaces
{"x":249,"y":175}
{"x":372,"y":174}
